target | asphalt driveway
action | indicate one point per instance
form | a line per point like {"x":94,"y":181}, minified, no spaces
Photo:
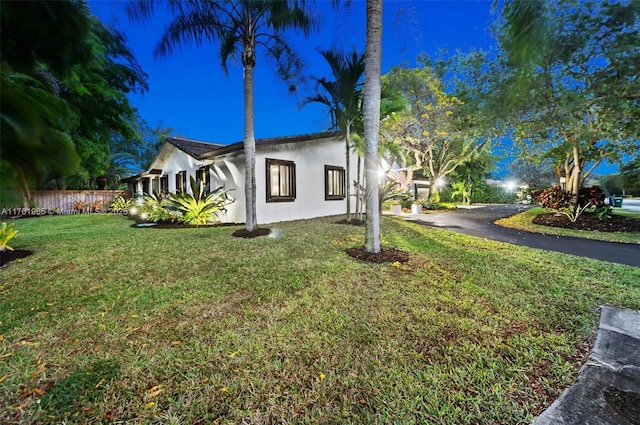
{"x":479,"y":221}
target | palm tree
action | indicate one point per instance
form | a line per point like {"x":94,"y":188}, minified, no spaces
{"x":342,"y":96}
{"x":239,"y":26}
{"x":371,"y":112}
{"x":35,"y":127}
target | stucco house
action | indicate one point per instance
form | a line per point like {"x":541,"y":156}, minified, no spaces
{"x":297,"y":177}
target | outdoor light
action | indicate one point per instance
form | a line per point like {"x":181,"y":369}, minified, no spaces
{"x":133,"y":211}
{"x":440,"y":182}
{"x":511,"y":186}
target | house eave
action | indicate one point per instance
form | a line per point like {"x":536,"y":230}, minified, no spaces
{"x":239,"y":146}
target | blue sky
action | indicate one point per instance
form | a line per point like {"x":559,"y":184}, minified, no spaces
{"x":190,"y":92}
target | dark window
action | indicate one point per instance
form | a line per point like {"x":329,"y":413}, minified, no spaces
{"x":281,"y":181}
{"x":155,"y":185}
{"x":181,"y":181}
{"x":145,"y":185}
{"x":164,"y":184}
{"x":202,"y":175}
{"x":333,"y":183}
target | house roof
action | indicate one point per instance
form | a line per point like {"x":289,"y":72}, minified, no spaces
{"x":204,"y":150}
{"x":239,"y":146}
{"x":195,"y":148}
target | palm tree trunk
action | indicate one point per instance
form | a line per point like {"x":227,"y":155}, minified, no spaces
{"x":348,"y":170}
{"x":249,"y":152}
{"x":371,"y":111}
{"x":359,"y":207}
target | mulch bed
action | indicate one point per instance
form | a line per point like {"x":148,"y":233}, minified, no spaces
{"x":386,"y":255}
{"x":588,"y":221}
{"x":244,"y":233}
{"x":7,"y":256}
{"x":176,"y":225}
{"x":241,"y":233}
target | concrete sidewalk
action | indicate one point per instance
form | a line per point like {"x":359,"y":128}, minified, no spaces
{"x":607,"y":391}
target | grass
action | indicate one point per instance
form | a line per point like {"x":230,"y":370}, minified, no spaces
{"x":522,"y":221}
{"x":107,"y":323}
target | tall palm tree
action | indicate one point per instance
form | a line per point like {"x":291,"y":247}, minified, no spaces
{"x":342,"y":96}
{"x":239,"y":26}
{"x":371,"y":112}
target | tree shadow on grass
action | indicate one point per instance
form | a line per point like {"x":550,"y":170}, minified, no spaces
{"x":80,"y":389}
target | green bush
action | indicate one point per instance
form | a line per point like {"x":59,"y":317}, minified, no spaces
{"x":119,"y":205}
{"x":6,"y":234}
{"x":486,"y":194}
{"x":603,"y":212}
{"x":199,"y":208}
{"x":152,"y":208}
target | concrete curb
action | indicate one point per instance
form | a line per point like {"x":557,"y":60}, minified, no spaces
{"x":607,"y":391}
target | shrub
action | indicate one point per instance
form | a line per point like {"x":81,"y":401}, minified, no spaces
{"x":430,"y":205}
{"x":593,"y":196}
{"x":553,"y":197}
{"x":461,"y":189}
{"x":79,"y":206}
{"x":6,"y":234}
{"x":486,"y":194}
{"x":95,"y":206}
{"x":121,"y":205}
{"x":156,"y":209}
{"x":603,"y":212}
{"x":199,"y":208}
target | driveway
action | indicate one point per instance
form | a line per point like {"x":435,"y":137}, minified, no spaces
{"x":479,"y":221}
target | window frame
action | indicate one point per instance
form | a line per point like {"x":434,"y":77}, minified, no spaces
{"x":163,"y":184}
{"x":291,"y":197}
{"x":203,"y":175}
{"x":330,"y":169}
{"x":181,"y":181}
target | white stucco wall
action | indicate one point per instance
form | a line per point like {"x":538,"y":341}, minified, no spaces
{"x":172,"y":161}
{"x":228,"y":171}
{"x":309,"y":158}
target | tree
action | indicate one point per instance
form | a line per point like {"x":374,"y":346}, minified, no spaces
{"x":34,"y":130}
{"x":630,"y":175}
{"x":536,"y":175}
{"x":473,"y":174}
{"x":35,"y":123}
{"x":435,"y":129}
{"x":579,"y":103}
{"x":371,"y":120}
{"x":63,"y":94}
{"x":152,"y":141}
{"x":343,"y":98}
{"x":96,"y":89}
{"x":238,"y":26}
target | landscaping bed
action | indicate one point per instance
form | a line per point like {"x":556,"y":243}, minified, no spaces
{"x":589,"y":221}
{"x":8,"y":256}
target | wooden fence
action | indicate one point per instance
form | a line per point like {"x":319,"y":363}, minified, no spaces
{"x":65,"y":201}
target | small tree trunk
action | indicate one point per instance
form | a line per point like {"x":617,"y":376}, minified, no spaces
{"x":575,"y":180}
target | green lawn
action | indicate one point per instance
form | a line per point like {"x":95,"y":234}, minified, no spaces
{"x":110,"y":324}
{"x":522,"y":221}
